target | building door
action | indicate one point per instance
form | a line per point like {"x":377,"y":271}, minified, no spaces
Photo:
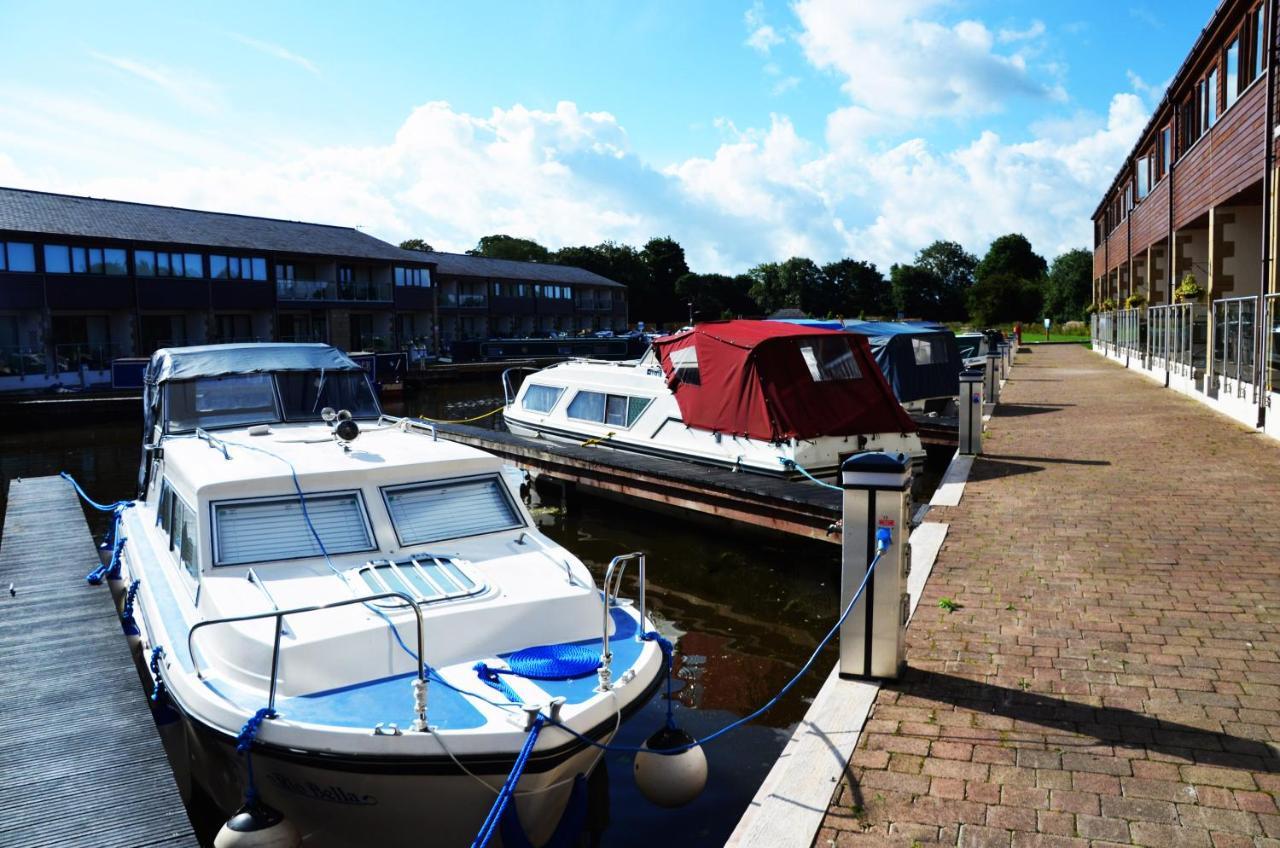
{"x":159,"y":331}
{"x":81,"y":340}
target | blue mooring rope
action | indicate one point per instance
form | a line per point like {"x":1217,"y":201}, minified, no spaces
{"x":126,"y":613}
{"x":158,"y":691}
{"x":791,"y":463}
{"x":509,"y":787}
{"x":244,"y":745}
{"x":90,"y":501}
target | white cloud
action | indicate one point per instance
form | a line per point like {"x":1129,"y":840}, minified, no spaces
{"x":193,"y":91}
{"x":760,"y":36}
{"x":278,"y":51}
{"x":1034,"y":31}
{"x":894,"y":61}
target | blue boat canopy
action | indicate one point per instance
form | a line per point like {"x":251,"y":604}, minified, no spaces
{"x":187,"y":363}
{"x":919,"y":359}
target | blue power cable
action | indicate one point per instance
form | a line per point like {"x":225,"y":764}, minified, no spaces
{"x":791,"y":463}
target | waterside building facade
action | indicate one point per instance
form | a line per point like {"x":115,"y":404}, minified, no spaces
{"x":84,"y":281}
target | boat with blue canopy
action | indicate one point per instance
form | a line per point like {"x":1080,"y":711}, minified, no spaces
{"x":354,"y":623}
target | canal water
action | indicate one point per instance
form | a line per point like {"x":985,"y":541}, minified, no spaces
{"x":746,"y":611}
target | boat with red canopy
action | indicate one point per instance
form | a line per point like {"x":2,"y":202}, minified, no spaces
{"x":761,"y":396}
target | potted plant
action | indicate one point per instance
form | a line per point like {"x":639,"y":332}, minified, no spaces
{"x":1135,"y":300}
{"x":1091,"y":309}
{"x":1188,"y":291}
{"x":1108,"y":305}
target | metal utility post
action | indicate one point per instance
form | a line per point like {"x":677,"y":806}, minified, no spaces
{"x":1004,"y":361}
{"x":877,"y":489}
{"x":970,"y":401}
{"x":991,"y":389}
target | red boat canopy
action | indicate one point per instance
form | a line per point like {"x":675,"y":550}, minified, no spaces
{"x":776,"y":381}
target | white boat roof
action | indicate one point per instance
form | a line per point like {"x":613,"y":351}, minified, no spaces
{"x":599,"y":373}
{"x":388,"y":455}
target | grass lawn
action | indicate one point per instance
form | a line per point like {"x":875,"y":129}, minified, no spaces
{"x":1032,"y":338}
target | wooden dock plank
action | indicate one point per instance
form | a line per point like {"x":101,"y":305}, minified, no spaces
{"x":80,"y":760}
{"x":798,"y":507}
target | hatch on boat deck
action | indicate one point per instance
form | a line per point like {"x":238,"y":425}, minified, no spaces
{"x":426,"y":578}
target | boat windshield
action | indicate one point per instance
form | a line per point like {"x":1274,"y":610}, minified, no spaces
{"x":236,"y":400}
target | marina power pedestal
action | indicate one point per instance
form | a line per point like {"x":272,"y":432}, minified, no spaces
{"x":877,"y":488}
{"x":970,"y":401}
{"x":991,"y":387}
{"x":1004,"y":361}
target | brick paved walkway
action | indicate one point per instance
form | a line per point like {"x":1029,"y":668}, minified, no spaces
{"x":1112,"y":675}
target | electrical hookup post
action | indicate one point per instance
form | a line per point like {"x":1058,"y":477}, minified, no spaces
{"x":877,"y":489}
{"x":970,"y":429}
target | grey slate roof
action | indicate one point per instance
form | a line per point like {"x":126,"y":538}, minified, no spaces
{"x":463,"y":265}
{"x":87,"y":217}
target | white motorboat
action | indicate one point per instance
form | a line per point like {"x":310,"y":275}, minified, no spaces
{"x":385,"y":595}
{"x":760,"y":396}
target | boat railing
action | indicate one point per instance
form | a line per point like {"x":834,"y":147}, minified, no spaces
{"x":406,"y":423}
{"x":612,"y":589}
{"x":420,"y":693}
{"x":508,"y":393}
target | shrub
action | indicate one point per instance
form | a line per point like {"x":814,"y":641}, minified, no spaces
{"x":1188,"y":291}
{"x":1074,"y":328}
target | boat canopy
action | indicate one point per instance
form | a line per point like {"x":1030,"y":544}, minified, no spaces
{"x":919,"y":359}
{"x":774,"y":380}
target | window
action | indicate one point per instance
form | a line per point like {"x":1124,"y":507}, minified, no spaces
{"x":144,"y":263}
{"x":275,"y":528}
{"x":1258,"y":55}
{"x":17,"y":256}
{"x":178,"y":521}
{"x":237,"y":267}
{"x":433,"y":512}
{"x":284,"y":272}
{"x":613,"y":410}
{"x":57,"y":259}
{"x":684,"y":365}
{"x":1143,"y":170}
{"x":829,"y":359}
{"x":541,"y":398}
{"x":305,"y":393}
{"x":151,"y":263}
{"x":929,"y":351}
{"x":221,"y":402}
{"x":1231,"y":71}
{"x":413,"y":277}
{"x":1166,"y":152}
{"x":1211,"y":99}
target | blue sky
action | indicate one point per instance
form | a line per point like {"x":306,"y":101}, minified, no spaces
{"x":749,"y":131}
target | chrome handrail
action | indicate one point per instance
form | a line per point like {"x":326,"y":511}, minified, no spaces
{"x":509,"y":395}
{"x":525,"y":535}
{"x":252,"y":577}
{"x":420,"y":689}
{"x":612,"y":587}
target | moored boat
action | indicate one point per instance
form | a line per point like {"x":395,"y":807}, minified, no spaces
{"x":371,"y":613}
{"x":759,"y":396}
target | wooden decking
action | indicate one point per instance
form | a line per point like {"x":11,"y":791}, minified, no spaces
{"x":797,"y":507}
{"x":80,"y":760}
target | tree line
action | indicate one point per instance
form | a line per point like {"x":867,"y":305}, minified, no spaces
{"x":944,"y":282}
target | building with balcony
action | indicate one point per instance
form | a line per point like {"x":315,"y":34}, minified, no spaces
{"x":84,"y":281}
{"x":1190,"y":203}
{"x":481,"y":298}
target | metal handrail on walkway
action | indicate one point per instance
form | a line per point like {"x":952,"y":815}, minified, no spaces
{"x":1176,"y":337}
{"x":419,"y":705}
{"x":1270,"y":351}
{"x":1235,"y":341}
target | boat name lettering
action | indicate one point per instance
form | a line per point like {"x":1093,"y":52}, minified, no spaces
{"x":332,"y":794}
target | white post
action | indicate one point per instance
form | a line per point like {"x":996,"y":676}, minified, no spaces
{"x":970,"y":401}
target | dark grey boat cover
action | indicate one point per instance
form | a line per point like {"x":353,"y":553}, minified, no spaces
{"x":189,"y":363}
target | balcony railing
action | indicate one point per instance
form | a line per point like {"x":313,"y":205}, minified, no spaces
{"x":21,"y":362}
{"x":94,"y":357}
{"x":1235,"y":343}
{"x":328,"y":290}
{"x":1177,"y":338}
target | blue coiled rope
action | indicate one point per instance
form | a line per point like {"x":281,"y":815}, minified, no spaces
{"x":244,"y":745}
{"x":791,"y":463}
{"x":508,"y":787}
{"x":541,"y":662}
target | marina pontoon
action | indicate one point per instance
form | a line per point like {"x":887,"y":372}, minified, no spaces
{"x":760,"y":396}
{"x":386,"y":595}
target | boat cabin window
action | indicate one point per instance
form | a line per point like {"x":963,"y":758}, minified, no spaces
{"x":453,"y":509}
{"x":929,"y":351}
{"x":829,"y":359}
{"x":684,"y":364}
{"x":179,"y":524}
{"x":235,"y":399}
{"x":305,"y":393}
{"x":267,"y":529}
{"x":541,"y":398}
{"x":614,"y":410}
{"x":969,"y":345}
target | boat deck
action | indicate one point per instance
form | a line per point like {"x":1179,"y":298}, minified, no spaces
{"x":797,"y":507}
{"x":80,"y":760}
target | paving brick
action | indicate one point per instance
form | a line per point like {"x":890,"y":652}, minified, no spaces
{"x":1139,"y":666}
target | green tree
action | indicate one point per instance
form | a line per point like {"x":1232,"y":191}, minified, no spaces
{"x":1012,"y":254}
{"x":1002,"y":298}
{"x":854,"y":289}
{"x":954,"y":267}
{"x":1069,"y":287}
{"x":917,"y":292}
{"x":416,"y":244}
{"x":716,"y":296}
{"x":621,"y":263}
{"x":510,"y":247}
{"x":793,"y":284}
{"x":666,"y":261}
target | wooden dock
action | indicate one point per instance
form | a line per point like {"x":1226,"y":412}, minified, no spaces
{"x":80,"y":760}
{"x":798,"y":507}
